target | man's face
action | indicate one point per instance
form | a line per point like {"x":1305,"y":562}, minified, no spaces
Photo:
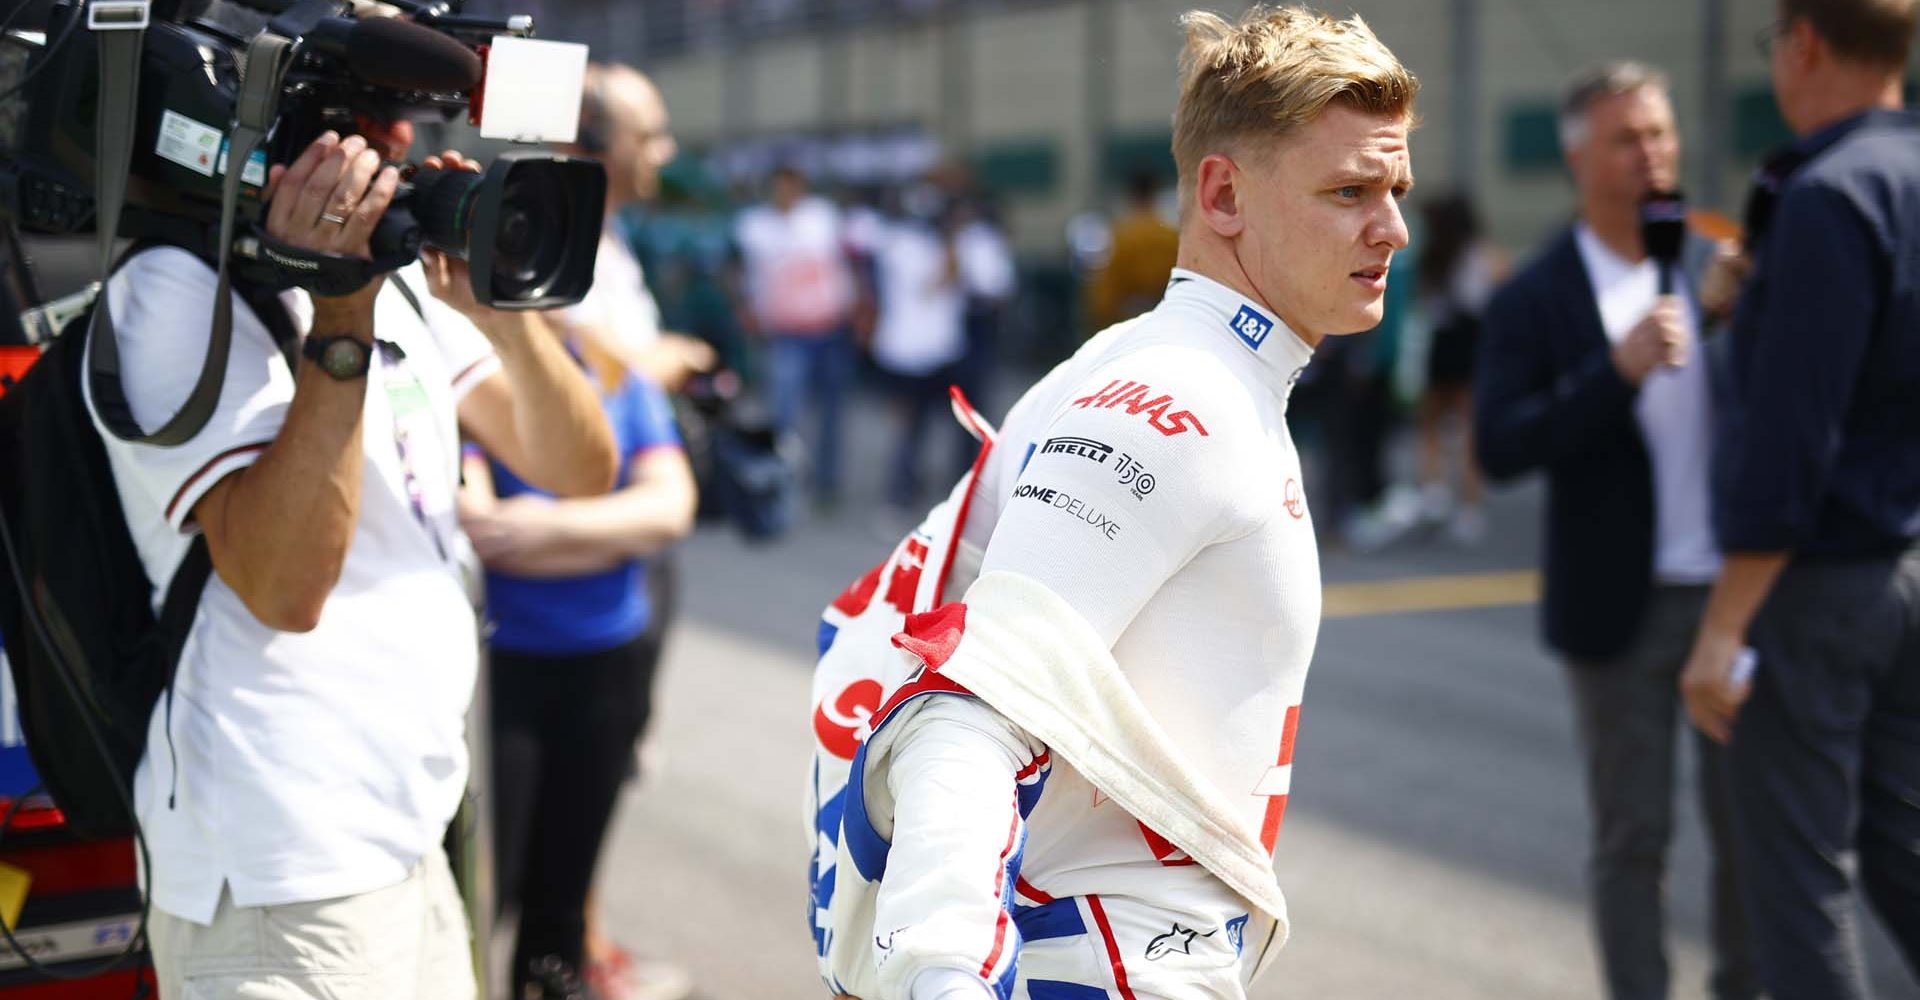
{"x":1631,"y":148}
{"x":1791,"y":62}
{"x":1322,"y":219}
{"x":640,"y":146}
{"x":788,"y":188}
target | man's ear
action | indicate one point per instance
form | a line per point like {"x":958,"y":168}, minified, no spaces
{"x":1806,"y":48}
{"x":1218,"y":196}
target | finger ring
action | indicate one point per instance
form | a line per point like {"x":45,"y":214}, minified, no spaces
{"x":338,"y":220}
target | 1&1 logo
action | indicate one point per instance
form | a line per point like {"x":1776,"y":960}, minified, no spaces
{"x":1252,"y":327}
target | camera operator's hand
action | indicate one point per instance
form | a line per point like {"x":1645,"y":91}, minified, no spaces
{"x":446,"y":274}
{"x":331,"y":197}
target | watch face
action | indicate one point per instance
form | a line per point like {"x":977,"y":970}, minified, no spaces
{"x":345,"y":358}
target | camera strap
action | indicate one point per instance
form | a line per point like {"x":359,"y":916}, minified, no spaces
{"x":267,"y":58}
{"x":289,"y":266}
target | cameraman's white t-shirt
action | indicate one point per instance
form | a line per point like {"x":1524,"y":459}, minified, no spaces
{"x":310,"y":765}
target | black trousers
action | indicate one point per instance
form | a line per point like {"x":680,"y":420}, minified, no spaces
{"x":1628,"y":709}
{"x":564,"y":729}
{"x":1825,"y":762}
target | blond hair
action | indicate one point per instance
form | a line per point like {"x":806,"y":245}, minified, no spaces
{"x":1273,"y":72}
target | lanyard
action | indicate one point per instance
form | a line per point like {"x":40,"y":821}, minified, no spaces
{"x":402,"y":400}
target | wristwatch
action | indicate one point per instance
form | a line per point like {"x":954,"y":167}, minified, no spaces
{"x":342,"y":357}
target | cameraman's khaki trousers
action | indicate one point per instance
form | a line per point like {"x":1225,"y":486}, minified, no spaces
{"x":404,"y":942}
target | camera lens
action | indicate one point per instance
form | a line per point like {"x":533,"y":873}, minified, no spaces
{"x":529,"y":226}
{"x":526,"y":254}
{"x":442,"y":201}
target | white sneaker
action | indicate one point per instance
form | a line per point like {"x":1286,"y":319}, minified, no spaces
{"x":1468,"y":527}
{"x":627,"y":976}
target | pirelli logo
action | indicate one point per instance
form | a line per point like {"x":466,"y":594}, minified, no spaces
{"x":1087,"y":448}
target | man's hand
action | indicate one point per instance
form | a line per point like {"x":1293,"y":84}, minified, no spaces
{"x":683,"y":357}
{"x":508,"y":529}
{"x":1712,"y":694}
{"x":1660,"y":339}
{"x":1720,"y":286}
{"x":447,"y":275}
{"x":328,"y":200}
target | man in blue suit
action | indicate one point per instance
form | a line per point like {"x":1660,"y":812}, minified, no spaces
{"x":1588,"y":371}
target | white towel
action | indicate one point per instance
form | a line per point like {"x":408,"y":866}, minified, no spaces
{"x":1028,"y":654}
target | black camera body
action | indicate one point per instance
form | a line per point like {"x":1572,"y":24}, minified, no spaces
{"x":528,"y":226}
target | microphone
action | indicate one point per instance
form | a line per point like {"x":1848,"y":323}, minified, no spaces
{"x":1663,"y":232}
{"x":399,"y":55}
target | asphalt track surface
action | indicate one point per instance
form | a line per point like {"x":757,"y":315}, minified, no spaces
{"x":1434,"y":842}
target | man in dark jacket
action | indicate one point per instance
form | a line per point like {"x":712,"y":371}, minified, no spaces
{"x":1818,"y":507}
{"x":1588,"y":371}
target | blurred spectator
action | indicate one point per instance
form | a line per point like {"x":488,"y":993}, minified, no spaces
{"x":1140,"y":261}
{"x":577,"y":598}
{"x":1342,"y":408}
{"x":1589,"y":373}
{"x":799,"y":292}
{"x":987,"y":282}
{"x":624,"y":125}
{"x":1818,"y":506}
{"x":920,"y":337}
{"x":1458,"y":271}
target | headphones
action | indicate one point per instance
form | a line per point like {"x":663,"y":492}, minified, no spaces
{"x":593,"y":111}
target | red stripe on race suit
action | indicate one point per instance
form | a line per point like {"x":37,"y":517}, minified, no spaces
{"x":855,"y":599}
{"x":1034,"y":768}
{"x":906,"y":576}
{"x":927,"y":683}
{"x":999,"y":893}
{"x":1027,"y":889}
{"x":934,"y":635}
{"x":1163,"y":849}
{"x":1113,"y":948}
{"x":1276,"y":813}
{"x":966,"y":502}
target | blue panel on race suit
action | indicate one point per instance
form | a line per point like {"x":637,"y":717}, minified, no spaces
{"x":864,"y":844}
{"x":1003,"y":987}
{"x":828,"y":632}
{"x":1051,"y":989}
{"x":1058,"y":919}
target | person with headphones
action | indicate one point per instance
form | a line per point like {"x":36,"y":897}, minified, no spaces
{"x":579,"y":592}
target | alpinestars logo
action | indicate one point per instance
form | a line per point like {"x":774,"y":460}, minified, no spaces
{"x":1252,"y":327}
{"x":1179,"y":940}
{"x":1087,"y":448}
{"x":1137,"y":398}
{"x":1072,"y":505}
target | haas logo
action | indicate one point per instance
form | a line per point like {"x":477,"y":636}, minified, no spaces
{"x":837,"y":723}
{"x":1296,"y":503}
{"x":1136,"y":398}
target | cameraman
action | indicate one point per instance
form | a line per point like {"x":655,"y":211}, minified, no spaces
{"x":297,"y":785}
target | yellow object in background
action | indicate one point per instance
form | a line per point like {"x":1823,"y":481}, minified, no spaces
{"x":13,"y":893}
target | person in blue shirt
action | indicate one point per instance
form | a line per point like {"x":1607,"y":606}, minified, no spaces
{"x":572,"y":661}
{"x":579,"y":593}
